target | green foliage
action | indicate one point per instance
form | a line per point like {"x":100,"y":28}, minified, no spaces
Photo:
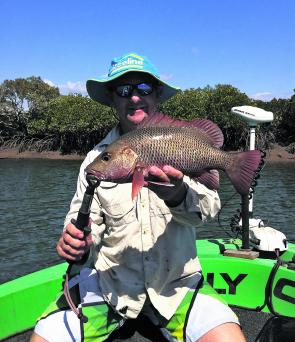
{"x":23,"y":99}
{"x":214,"y":104}
{"x":188,"y":104}
{"x":223,"y":98}
{"x":287,"y":124}
{"x":34,"y":115}
{"x":77,"y":121}
{"x":8,"y":120}
{"x":283,"y":126}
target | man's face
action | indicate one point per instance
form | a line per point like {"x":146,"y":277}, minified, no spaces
{"x":134,"y":108}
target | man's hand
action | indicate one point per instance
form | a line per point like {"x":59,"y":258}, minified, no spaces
{"x":72,"y":245}
{"x":172,"y":195}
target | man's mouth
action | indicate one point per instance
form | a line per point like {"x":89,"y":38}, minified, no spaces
{"x":136,"y":115}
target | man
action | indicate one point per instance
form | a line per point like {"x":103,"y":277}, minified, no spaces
{"x":144,"y":251}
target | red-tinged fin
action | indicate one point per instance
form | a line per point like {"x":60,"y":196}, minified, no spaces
{"x":214,"y":133}
{"x":156,"y":119}
{"x":243,"y":169}
{"x":137,"y":182}
{"x":211,"y":132}
{"x":210,"y":179}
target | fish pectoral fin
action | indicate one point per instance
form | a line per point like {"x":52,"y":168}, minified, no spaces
{"x":161,"y":183}
{"x":209,"y":178}
{"x":137,"y":182}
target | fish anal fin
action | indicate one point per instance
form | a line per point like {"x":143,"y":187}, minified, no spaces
{"x":209,"y":178}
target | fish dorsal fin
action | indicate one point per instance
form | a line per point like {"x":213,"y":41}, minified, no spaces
{"x":157,"y":119}
{"x":210,"y":131}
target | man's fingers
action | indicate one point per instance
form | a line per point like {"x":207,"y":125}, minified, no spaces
{"x":66,"y":251}
{"x":72,"y":245}
{"x":166,"y":174}
{"x":73,"y":251}
{"x":74,"y":242}
{"x":159,"y":174}
{"x":170,"y":171}
{"x":64,"y":255}
{"x":74,"y":231}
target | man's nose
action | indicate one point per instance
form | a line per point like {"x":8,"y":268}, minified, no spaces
{"x":135,"y":98}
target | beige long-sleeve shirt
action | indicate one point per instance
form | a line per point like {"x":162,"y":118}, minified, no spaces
{"x":144,"y":248}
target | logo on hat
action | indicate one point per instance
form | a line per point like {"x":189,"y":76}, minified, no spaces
{"x":125,"y":62}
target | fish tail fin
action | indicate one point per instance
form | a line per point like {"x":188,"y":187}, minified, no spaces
{"x":243,"y":170}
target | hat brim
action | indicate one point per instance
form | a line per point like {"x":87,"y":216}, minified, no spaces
{"x":98,"y":88}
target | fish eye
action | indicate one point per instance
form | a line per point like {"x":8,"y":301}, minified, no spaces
{"x":105,"y":157}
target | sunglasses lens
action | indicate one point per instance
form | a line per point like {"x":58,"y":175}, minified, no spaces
{"x":144,"y":88}
{"x":124,"y":90}
{"x":127,"y":89}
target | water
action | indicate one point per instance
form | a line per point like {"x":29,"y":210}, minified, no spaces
{"x":35,"y":196}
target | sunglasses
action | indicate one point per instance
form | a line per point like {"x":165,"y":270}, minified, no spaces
{"x":126,"y":90}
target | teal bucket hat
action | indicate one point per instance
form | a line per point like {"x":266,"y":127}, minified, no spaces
{"x":97,"y":88}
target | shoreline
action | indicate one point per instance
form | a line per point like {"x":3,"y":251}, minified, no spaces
{"x":13,"y":153}
{"x":276,"y":154}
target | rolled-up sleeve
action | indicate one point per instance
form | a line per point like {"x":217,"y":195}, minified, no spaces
{"x":200,"y":204}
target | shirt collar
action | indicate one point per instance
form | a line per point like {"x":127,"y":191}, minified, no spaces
{"x":113,"y":135}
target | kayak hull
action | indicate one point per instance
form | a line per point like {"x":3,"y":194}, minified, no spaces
{"x":260,"y":284}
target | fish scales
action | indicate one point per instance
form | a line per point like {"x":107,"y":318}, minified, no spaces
{"x":177,"y":146}
{"x":192,"y":148}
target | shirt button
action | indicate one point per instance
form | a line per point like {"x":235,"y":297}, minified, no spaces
{"x":147,"y":258}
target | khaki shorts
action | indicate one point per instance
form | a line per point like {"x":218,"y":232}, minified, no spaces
{"x":200,"y":311}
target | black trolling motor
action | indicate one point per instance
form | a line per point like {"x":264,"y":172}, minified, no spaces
{"x":82,"y":223}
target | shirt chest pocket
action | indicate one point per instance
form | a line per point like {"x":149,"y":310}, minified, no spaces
{"x":116,"y":203}
{"x":158,"y":206}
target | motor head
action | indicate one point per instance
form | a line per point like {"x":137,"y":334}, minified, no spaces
{"x":253,"y":115}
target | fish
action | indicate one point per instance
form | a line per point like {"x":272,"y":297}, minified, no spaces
{"x":193,"y":147}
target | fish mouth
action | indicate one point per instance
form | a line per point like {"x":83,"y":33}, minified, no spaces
{"x":98,"y":175}
{"x":101,"y":177}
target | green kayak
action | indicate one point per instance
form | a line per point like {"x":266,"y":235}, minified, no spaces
{"x":264,"y":284}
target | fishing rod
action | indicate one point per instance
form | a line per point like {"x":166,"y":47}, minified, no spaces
{"x":82,"y":223}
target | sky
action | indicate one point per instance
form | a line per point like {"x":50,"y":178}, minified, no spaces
{"x":249,"y":44}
